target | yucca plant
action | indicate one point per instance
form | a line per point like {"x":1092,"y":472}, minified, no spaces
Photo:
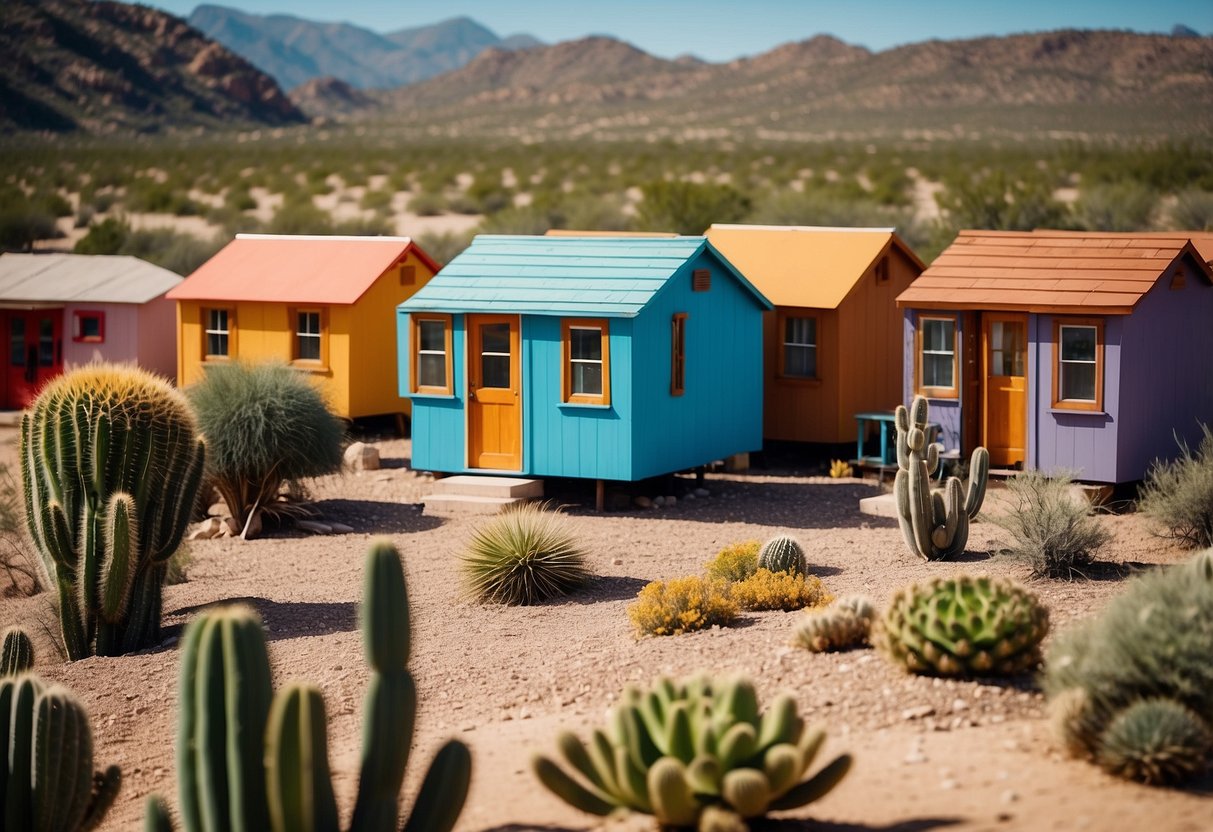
{"x":524,"y":555}
{"x":265,"y":424}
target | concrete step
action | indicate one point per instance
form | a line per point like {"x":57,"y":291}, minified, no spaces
{"x":882,"y":505}
{"x":471,"y":485}
{"x":467,"y":504}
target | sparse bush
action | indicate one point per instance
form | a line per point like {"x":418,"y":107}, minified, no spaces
{"x":178,"y":566}
{"x":1193,"y":211}
{"x":1132,"y":689}
{"x":821,"y":207}
{"x":527,"y":219}
{"x":300,"y":216}
{"x":105,"y":237}
{"x":445,"y":246}
{"x":427,"y":204}
{"x":19,"y":229}
{"x":1052,"y":527}
{"x":844,"y":624}
{"x":16,"y":561}
{"x":689,"y":207}
{"x":380,"y":200}
{"x":1124,"y":206}
{"x":734,"y":562}
{"x":997,"y":201}
{"x":525,"y":555}
{"x":264,"y":424}
{"x":1178,"y":494}
{"x":681,"y":605}
{"x":177,"y":252}
{"x":767,"y":590}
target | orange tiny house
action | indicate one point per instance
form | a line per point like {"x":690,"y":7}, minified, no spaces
{"x":832,"y":347}
{"x":323,"y":304}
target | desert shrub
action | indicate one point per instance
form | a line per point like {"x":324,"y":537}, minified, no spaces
{"x":427,"y":204}
{"x":734,"y":562}
{"x":821,"y":207}
{"x":689,"y":207}
{"x":177,"y":252}
{"x":444,"y":246}
{"x":1178,"y":494}
{"x":105,"y":237}
{"x":84,"y":217}
{"x":995,"y":200}
{"x":681,"y":605}
{"x":524,"y":219}
{"x":526,"y":554}
{"x":1124,"y":206}
{"x":20,"y":228}
{"x":844,"y":624}
{"x":299,"y":216}
{"x":380,"y":200}
{"x":767,"y":590}
{"x":1053,"y":529}
{"x":16,"y":562}
{"x":179,"y":566}
{"x":1193,"y":211}
{"x":264,"y":424}
{"x":1132,"y":688}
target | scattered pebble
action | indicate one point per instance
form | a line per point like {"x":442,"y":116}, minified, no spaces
{"x":917,"y":712}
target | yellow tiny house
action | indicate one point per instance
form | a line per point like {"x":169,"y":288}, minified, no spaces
{"x":325,"y":305}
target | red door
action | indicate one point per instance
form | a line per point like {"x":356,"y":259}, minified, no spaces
{"x":35,"y":353}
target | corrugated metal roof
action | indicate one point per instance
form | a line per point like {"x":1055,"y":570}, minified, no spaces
{"x":1041,"y":271}
{"x":591,"y":276}
{"x":289,"y":268}
{"x":797,"y":265}
{"x":84,"y":278}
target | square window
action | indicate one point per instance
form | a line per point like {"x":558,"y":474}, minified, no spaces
{"x":88,"y":327}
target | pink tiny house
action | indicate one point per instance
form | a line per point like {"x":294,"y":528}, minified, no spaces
{"x":58,"y":311}
{"x":1064,"y":350}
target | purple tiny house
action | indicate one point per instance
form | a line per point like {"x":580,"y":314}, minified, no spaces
{"x":1060,"y":350}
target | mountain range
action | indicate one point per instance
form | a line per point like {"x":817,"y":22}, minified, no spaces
{"x":295,"y":51}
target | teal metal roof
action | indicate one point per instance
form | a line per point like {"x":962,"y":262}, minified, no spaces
{"x":590,"y":276}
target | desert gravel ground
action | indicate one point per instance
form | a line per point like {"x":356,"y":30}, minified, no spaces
{"x":929,"y":753}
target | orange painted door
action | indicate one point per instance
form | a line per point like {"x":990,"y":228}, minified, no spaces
{"x":1005,"y":376}
{"x":494,"y":388}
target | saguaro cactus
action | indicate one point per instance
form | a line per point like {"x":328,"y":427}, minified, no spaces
{"x":935,"y":525}
{"x":47,"y":780}
{"x":246,"y":763}
{"x":111,"y":463}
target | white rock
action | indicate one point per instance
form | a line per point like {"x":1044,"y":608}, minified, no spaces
{"x":207,"y":529}
{"x":360,"y":456}
{"x":917,"y":712}
{"x":959,"y":705}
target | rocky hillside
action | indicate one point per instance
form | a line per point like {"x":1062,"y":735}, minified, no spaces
{"x":103,"y":67}
{"x":294,"y":50}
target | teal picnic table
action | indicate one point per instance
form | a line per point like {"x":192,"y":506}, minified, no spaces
{"x":884,"y":420}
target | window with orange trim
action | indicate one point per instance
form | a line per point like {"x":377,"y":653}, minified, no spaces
{"x":1078,"y":344}
{"x":431,"y":353}
{"x":937,"y":365}
{"x":678,"y":354}
{"x":586,"y":353}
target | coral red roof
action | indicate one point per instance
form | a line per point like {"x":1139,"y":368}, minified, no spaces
{"x":296,"y":269}
{"x":1043,"y":271}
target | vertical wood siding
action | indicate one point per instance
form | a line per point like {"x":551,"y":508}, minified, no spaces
{"x":439,"y":430}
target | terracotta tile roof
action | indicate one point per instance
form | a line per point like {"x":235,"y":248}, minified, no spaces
{"x":804,"y":265}
{"x":286,"y":268}
{"x":1041,"y":271}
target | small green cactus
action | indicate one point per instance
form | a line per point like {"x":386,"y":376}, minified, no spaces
{"x":964,"y":626}
{"x":935,"y":525}
{"x":46,"y":760}
{"x":844,"y":624}
{"x":111,"y":463}
{"x":17,"y":652}
{"x":783,"y":554}
{"x":1155,"y":741}
{"x":694,"y":753}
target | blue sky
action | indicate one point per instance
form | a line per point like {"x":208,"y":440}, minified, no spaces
{"x":724,"y":29}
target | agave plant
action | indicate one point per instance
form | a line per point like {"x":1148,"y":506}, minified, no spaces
{"x":524,"y":555}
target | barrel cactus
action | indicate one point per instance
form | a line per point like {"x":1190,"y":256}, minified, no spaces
{"x":782,"y":554}
{"x":16,"y":652}
{"x":935,"y":525}
{"x":250,"y":760}
{"x":694,"y":753}
{"x":111,"y":462}
{"x":964,"y":626}
{"x":845,"y":623}
{"x":1132,"y":688}
{"x":46,"y":760}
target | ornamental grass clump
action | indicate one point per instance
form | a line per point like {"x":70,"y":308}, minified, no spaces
{"x":524,"y":555}
{"x":1132,"y":689}
{"x":1052,"y":528}
{"x":767,"y":590}
{"x":1178,"y":494}
{"x":681,"y":605}
{"x":265,"y":424}
{"x":734,"y":562}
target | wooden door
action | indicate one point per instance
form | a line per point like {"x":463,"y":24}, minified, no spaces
{"x":494,"y":400}
{"x":1005,"y":382}
{"x":35,"y":353}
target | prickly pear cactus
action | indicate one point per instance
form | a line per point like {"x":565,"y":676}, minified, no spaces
{"x":845,"y":623}
{"x":47,"y":764}
{"x":694,"y":753}
{"x":111,"y":463}
{"x":964,"y":626}
{"x":935,"y":525}
{"x":782,"y":554}
{"x":16,"y":652}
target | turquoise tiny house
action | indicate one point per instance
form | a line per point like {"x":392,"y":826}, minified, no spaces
{"x":599,"y":358}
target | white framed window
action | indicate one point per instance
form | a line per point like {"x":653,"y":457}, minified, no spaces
{"x":937,"y":364}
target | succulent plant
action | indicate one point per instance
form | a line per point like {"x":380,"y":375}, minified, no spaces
{"x":935,"y":525}
{"x":694,"y":753}
{"x":248,"y":760}
{"x":840,"y":468}
{"x":964,"y":626}
{"x":845,"y":623}
{"x":47,"y":780}
{"x":782,"y":554}
{"x":1132,"y":688}
{"x":111,"y":463}
{"x":17,"y":652}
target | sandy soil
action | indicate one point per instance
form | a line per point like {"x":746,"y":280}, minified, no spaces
{"x":929,"y":753}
